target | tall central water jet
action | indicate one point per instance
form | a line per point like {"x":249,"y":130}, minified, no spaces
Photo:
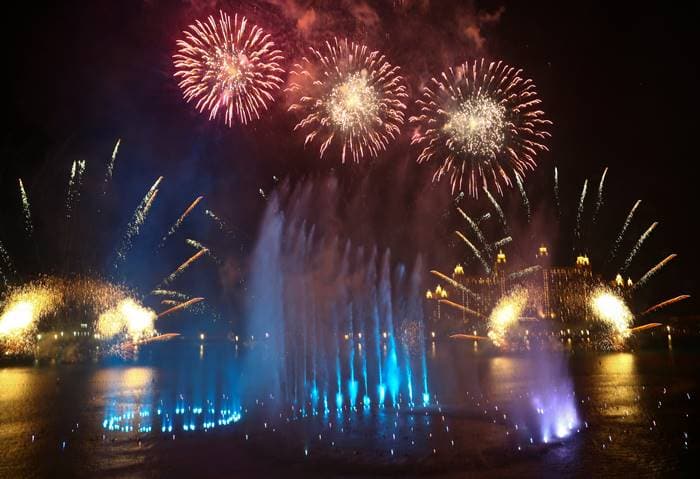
{"x":329,"y":319}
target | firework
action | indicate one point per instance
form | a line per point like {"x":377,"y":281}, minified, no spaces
{"x":26,"y":210}
{"x":183,"y":267}
{"x":228,"y":67}
{"x":453,"y":283}
{"x":128,"y":318}
{"x":638,"y":245}
{"x":21,"y":311}
{"x":556,"y":192}
{"x":625,"y":225}
{"x":199,"y":246}
{"x":524,"y":272}
{"x":110,"y":167}
{"x":460,"y":307}
{"x":505,"y":315}
{"x":134,"y":226}
{"x":612,"y":310}
{"x":475,"y":227}
{"x":180,"y":306}
{"x":499,"y":211}
{"x":642,"y":281}
{"x":665,"y":303}
{"x":523,"y":196}
{"x":179,"y":221}
{"x":74,"y":182}
{"x":350,"y":95}
{"x":476,"y":252}
{"x":599,"y":200}
{"x":481,"y":124}
{"x":579,"y":216}
{"x":575,"y":292}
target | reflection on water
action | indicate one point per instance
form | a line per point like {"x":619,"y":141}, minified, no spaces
{"x":637,"y":415}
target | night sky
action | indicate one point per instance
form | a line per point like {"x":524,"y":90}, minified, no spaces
{"x":618,"y":81}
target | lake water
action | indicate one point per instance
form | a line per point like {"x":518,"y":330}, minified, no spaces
{"x":173,"y":413}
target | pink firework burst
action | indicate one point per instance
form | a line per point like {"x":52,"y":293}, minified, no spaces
{"x":228,"y":67}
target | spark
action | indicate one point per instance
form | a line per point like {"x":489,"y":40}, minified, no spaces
{"x":476,"y":252}
{"x":625,"y":225}
{"x":612,"y":310}
{"x":638,"y":245}
{"x":179,"y":221}
{"x":654,"y":270}
{"x":347,"y":94}
{"x":180,"y":306}
{"x":665,"y":303}
{"x":480,"y":123}
{"x":26,"y":210}
{"x":228,"y":67}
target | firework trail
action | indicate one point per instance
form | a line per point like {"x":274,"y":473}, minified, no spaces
{"x":454,"y":283}
{"x":349,"y":95}
{"x":644,"y":327}
{"x":626,"y":224}
{"x":200,"y":246}
{"x":134,"y":226}
{"x":475,"y":228}
{"x":180,"y":307}
{"x":579,"y":216}
{"x":460,"y":307}
{"x":524,"y":272}
{"x":179,"y":221}
{"x":638,"y":245}
{"x":223,"y":227}
{"x":502,"y":242}
{"x":484,"y":217}
{"x":556,"y":192}
{"x":498,"y":209}
{"x":480,"y":123}
{"x":74,"y":182}
{"x":476,"y":252}
{"x":168,"y":292}
{"x":654,"y":270}
{"x":665,"y":303}
{"x":183,"y":267}
{"x":26,"y":210}
{"x":110,"y":167}
{"x":228,"y":67}
{"x":523,"y":195}
{"x":6,"y":266}
{"x":599,"y":200}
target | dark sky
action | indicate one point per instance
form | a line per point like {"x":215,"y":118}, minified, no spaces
{"x":618,"y":81}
